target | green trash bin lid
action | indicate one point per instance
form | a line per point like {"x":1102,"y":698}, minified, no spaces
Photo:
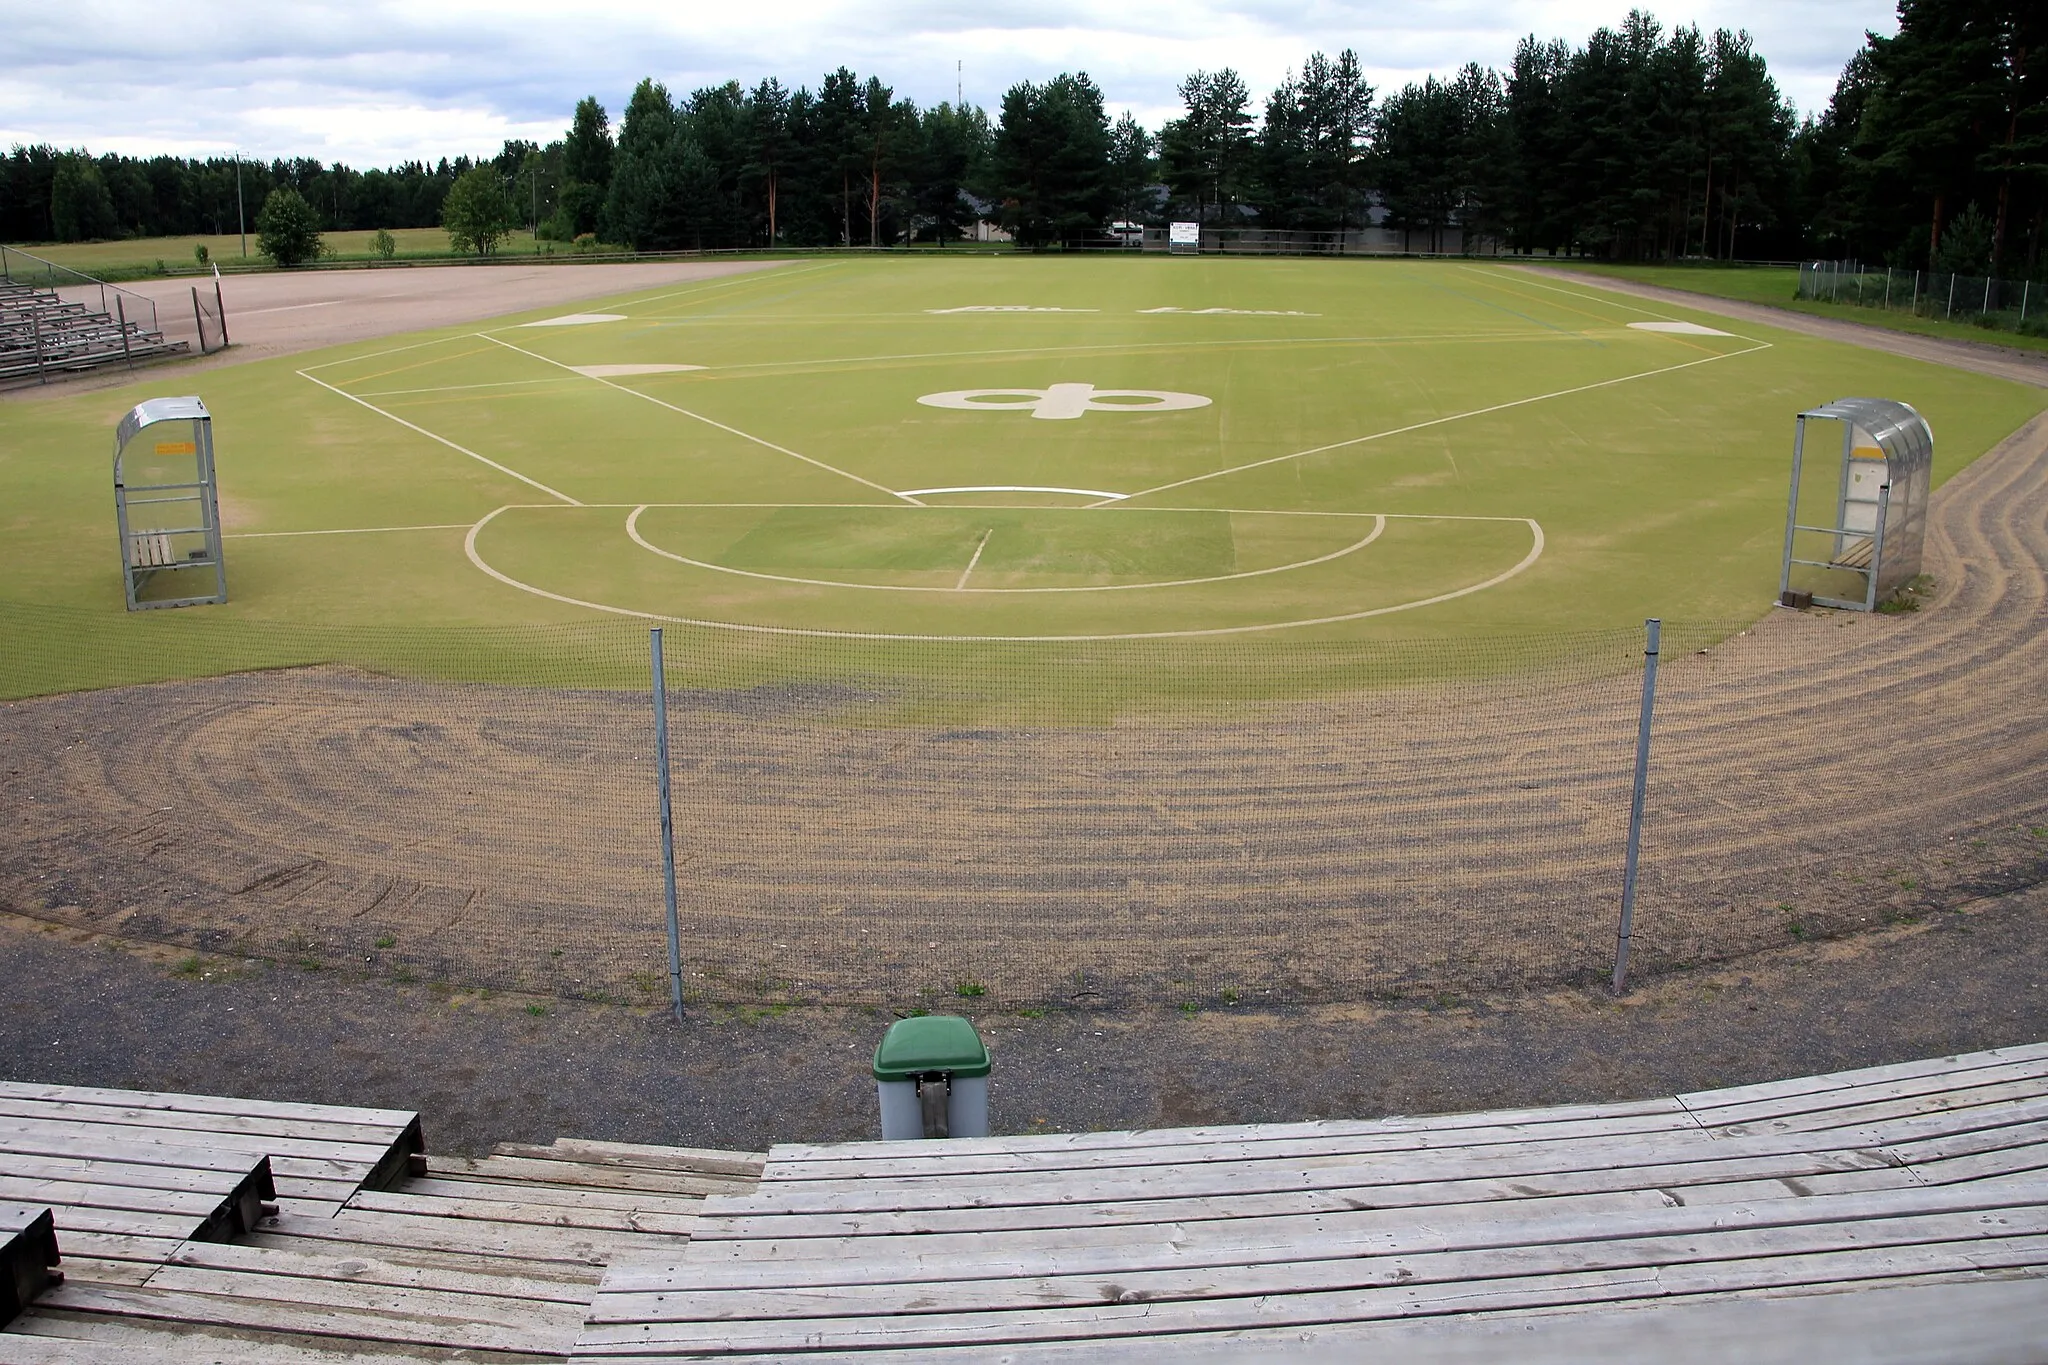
{"x":929,"y":1043}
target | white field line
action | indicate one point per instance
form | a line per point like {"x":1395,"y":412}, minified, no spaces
{"x":773,"y":272}
{"x":1379,"y":527}
{"x":393,"y":350}
{"x":700,"y":417}
{"x":1522,"y":277}
{"x":286,"y":308}
{"x":457,"y":388}
{"x":1535,"y":553}
{"x":460,"y":450}
{"x":979,"y":546}
{"x":1014,"y":488}
{"x":1441,"y":421}
{"x":347,"y":531}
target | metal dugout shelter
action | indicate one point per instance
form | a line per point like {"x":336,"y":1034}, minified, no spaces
{"x":1876,"y":501}
{"x":165,"y":501}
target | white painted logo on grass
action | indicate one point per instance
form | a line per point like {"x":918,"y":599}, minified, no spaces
{"x":1690,"y":329}
{"x":576,"y":320}
{"x":1064,"y":402}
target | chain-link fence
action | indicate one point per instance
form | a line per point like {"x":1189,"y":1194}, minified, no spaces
{"x":902,"y":825}
{"x":2003,"y":305}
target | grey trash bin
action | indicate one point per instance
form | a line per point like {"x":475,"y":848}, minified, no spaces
{"x":936,"y":1064}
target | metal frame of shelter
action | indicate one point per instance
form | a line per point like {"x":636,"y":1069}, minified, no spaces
{"x":165,"y":499}
{"x":1880,"y":504}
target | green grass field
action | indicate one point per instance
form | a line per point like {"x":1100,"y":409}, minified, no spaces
{"x":1349,"y":450}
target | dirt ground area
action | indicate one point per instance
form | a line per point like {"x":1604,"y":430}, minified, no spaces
{"x":506,"y":1068}
{"x":285,"y":312}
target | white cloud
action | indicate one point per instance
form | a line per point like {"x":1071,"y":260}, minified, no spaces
{"x":378,"y":81}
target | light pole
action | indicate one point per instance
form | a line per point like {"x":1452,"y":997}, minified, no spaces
{"x":241,"y":220}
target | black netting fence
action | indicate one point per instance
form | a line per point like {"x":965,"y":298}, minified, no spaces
{"x":906,"y":823}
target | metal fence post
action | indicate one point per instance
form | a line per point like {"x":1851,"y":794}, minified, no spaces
{"x":1654,"y":629}
{"x":668,"y":830}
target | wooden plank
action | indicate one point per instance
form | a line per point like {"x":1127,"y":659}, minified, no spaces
{"x":86,"y":1147}
{"x":1229,"y":1243}
{"x":1315,"y":1273}
{"x":564,"y":1246}
{"x":1618,"y":1159}
{"x":971,"y":1157}
{"x":1905,"y":1087}
{"x":398,"y":1325}
{"x":507,"y":1168}
{"x":359,"y":1265}
{"x":208,"y":1104}
{"x":174,"y":1120}
{"x":1310,"y":1129}
{"x":193,"y":1205}
{"x":590,"y":1152}
{"x":89,"y":1171}
{"x":529,"y":1193}
{"x":1954,"y":1064}
{"x":1795,"y":1174}
{"x":1508,"y":1161}
{"x":1887,"y":1321}
{"x":115,"y":1246}
{"x":92,"y":1269}
{"x":173,"y":1227}
{"x":542,"y":1215}
{"x":341,"y":1156}
{"x":556,"y":1321}
{"x":1307,"y":1309}
{"x":1879,"y":1112}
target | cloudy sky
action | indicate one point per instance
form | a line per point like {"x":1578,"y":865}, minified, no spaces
{"x":372,"y":82}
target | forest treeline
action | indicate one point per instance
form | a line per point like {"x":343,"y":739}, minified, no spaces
{"x":1641,"y":143}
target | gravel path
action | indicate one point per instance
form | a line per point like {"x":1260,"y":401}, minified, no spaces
{"x":80,"y":1011}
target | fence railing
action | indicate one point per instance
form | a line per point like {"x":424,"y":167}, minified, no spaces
{"x":1987,"y":301}
{"x":75,"y":286}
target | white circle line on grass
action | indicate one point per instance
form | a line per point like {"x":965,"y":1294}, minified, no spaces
{"x":1535,"y":553}
{"x":1379,"y":524}
{"x":1010,"y":488}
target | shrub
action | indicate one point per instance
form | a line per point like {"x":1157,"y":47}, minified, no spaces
{"x":287,"y":230}
{"x":384,"y":244}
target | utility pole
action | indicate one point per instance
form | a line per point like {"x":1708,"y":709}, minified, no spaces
{"x":241,"y":219}
{"x":533,"y":180}
{"x":958,"y":98}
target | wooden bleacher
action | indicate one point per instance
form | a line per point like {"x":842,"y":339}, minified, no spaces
{"x":374,"y":1251}
{"x":1893,"y":1214}
{"x":1285,"y":1237}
